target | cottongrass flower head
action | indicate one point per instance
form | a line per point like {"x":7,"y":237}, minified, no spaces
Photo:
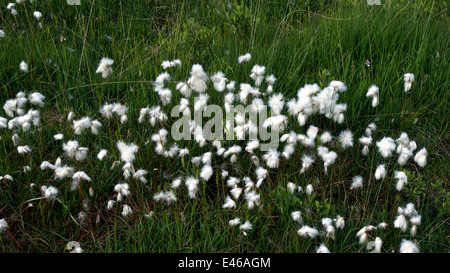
{"x":370,"y":129}
{"x":104,"y":67}
{"x":380,"y":172}
{"x":258,"y":74}
{"x":307,"y":162}
{"x":192,"y":185}
{"x":408,"y":246}
{"x":63,"y":172}
{"x":184,"y":89}
{"x":127,"y":151}
{"x":140,"y":175}
{"x":329,"y":228}
{"x":37,"y":15}
{"x":126,"y":210}
{"x":377,"y":245}
{"x":297,"y":216}
{"x":23,"y":149}
{"x":326,"y":137}
{"x":251,"y":146}
{"x":229,"y":203}
{"x":402,"y":180}
{"x":309,"y":189}
{"x":76,"y":179}
{"x":346,"y":139}
{"x":23,"y":67}
{"x":421,"y":157}
{"x":168,"y":64}
{"x":339,"y":222}
{"x":409,"y":210}
{"x":261,"y":175}
{"x":328,"y":159}
{"x":386,"y":146}
{"x":167,"y":197}
{"x":36,"y":98}
{"x":322,"y":249}
{"x":102,"y":154}
{"x":253,"y":199}
{"x":2,"y":34}
{"x":276,"y":103}
{"x":366,"y":141}
{"x":307,"y":231}
{"x":245,"y":227}
{"x":400,"y":221}
{"x":3,"y":226}
{"x":234,"y":222}
{"x":244,"y":58}
{"x":362,"y":233}
{"x":272,"y":158}
{"x":219,"y":81}
{"x":357,"y":182}
{"x":49,"y":192}
{"x":206,"y":172}
{"x":291,"y":187}
{"x":123,"y":190}
{"x":270,"y":83}
{"x":415,"y":221}
{"x":374,"y":93}
{"x":198,"y":79}
{"x":408,"y":78}
{"x":404,"y":156}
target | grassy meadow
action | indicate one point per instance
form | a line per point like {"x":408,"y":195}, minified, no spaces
{"x":299,"y":42}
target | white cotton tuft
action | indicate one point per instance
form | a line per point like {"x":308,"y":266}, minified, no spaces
{"x":386,"y":146}
{"x":408,"y":78}
{"x":244,"y":58}
{"x":126,"y":210}
{"x":346,"y":139}
{"x":307,"y":162}
{"x":374,"y":93}
{"x":297,"y":216}
{"x":23,"y":66}
{"x":206,"y":172}
{"x":234,"y":222}
{"x":401,"y":223}
{"x":307,"y":231}
{"x":272,"y":158}
{"x":3,"y":226}
{"x":102,"y":154}
{"x":258,"y":74}
{"x":192,"y":185}
{"x":322,"y":249}
{"x":37,"y":15}
{"x":402,"y":180}
{"x":421,"y":157}
{"x":104,"y":67}
{"x":380,"y":172}
{"x":229,"y":203}
{"x":357,"y":182}
{"x":339,"y":222}
{"x":276,"y":103}
{"x":326,"y":137}
{"x":408,"y":247}
{"x":127,"y":151}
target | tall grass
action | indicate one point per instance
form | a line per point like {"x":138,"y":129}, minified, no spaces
{"x":299,"y":43}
